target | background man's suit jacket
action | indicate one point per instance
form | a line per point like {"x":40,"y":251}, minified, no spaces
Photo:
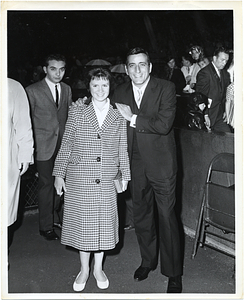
{"x":48,"y":121}
{"x":209,"y":83}
{"x":155,"y":118}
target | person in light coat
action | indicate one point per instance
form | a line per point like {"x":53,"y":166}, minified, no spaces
{"x":92,"y":153}
{"x":20,"y":144}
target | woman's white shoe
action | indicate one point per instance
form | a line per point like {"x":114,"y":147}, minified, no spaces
{"x":102,"y":284}
{"x":78,"y":287}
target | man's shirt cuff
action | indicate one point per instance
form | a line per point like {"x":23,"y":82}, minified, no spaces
{"x":133,"y":121}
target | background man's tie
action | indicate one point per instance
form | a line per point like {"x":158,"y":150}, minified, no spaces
{"x":57,"y":95}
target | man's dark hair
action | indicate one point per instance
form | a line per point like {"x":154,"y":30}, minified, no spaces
{"x":137,"y":50}
{"x":219,"y":50}
{"x":57,"y":57}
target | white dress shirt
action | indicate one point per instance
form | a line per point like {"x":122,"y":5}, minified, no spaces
{"x":101,"y":113}
{"x":52,"y":88}
{"x":135,"y":91}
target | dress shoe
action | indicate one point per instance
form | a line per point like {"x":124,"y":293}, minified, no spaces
{"x":49,"y":235}
{"x":102,"y":284}
{"x":174,"y":285}
{"x":58,"y":225}
{"x":129,"y":227}
{"x":142,"y":273}
{"x":78,"y":287}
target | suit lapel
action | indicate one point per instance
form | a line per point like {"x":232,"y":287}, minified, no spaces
{"x":48,"y":92}
{"x":215,"y":74}
{"x":147,"y":93}
{"x":63,"y":94}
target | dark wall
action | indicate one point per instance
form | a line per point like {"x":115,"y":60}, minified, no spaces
{"x":195,"y":151}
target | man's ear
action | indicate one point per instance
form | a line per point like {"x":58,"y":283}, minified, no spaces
{"x":126,"y":71}
{"x":45,"y":69}
{"x":150,"y":68}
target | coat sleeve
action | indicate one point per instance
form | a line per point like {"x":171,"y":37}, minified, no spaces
{"x":123,"y":153}
{"x":63,"y":156}
{"x":203,"y":84}
{"x":31,"y":98}
{"x":22,"y":124}
{"x":162,"y":121}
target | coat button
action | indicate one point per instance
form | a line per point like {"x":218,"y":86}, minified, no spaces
{"x":97,"y":181}
{"x":98,"y":159}
{"x":98,"y":136}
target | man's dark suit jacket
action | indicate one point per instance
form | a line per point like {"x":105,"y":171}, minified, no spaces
{"x":155,"y":118}
{"x":209,"y":83}
{"x":48,"y":120}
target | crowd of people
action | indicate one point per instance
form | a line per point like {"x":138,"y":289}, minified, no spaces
{"x":119,"y":131}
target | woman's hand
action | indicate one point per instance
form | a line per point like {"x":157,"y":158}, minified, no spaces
{"x":124,"y":185}
{"x":59,"y":185}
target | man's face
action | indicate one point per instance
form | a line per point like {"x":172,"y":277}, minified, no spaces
{"x":220,"y":60}
{"x":138,"y":69}
{"x":55,"y":70}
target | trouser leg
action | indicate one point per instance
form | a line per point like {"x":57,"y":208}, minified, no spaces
{"x":45,"y":194}
{"x":169,"y":239}
{"x":143,"y":208}
{"x":129,"y":212}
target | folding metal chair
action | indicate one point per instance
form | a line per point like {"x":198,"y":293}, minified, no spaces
{"x":218,"y":203}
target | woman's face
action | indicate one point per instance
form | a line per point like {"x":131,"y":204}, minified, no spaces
{"x":186,"y":62}
{"x":195,"y":54}
{"x":202,"y":64}
{"x":99,"y":89}
{"x":171,"y":63}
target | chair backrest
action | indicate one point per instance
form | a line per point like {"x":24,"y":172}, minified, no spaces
{"x":220,"y":198}
{"x":223,"y":162}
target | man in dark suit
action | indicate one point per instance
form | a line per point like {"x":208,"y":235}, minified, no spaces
{"x":49,"y":101}
{"x":212,"y":81}
{"x":149,"y":105}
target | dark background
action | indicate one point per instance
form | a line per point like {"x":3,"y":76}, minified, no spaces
{"x":104,"y":34}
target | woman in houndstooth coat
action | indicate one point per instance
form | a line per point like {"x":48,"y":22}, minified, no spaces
{"x":93,"y":151}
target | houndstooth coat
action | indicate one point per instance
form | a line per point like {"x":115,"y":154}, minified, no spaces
{"x":89,"y":160}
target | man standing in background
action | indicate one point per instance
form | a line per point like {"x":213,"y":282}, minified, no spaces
{"x":49,"y":101}
{"x":212,"y":81}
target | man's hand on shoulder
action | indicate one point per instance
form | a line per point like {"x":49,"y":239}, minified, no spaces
{"x":125,"y":111}
{"x":79,"y":102}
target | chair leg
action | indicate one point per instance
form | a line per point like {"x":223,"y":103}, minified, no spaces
{"x":199,"y":225}
{"x":202,"y":233}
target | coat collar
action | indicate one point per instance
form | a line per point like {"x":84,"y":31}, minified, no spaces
{"x":90,"y":113}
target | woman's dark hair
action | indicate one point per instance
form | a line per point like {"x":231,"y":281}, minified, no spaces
{"x":188,"y":57}
{"x":98,"y":73}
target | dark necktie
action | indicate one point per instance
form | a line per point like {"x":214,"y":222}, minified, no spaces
{"x":57,"y":96}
